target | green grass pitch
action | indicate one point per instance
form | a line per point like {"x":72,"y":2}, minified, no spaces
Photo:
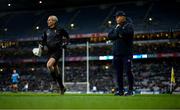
{"x":87,"y":101}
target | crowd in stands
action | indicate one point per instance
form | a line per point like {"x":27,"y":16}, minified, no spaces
{"x":156,"y":48}
{"x":144,"y":48}
{"x":150,"y":76}
{"x":138,"y":48}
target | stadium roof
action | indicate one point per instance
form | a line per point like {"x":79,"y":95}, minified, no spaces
{"x":21,"y":18}
{"x":19,"y":5}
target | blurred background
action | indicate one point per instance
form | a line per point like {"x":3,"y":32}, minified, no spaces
{"x":86,"y":65}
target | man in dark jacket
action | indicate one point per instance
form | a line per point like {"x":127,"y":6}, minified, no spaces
{"x":54,"y":38}
{"x":122,"y":37}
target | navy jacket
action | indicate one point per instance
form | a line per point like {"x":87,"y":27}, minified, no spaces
{"x":122,"y":37}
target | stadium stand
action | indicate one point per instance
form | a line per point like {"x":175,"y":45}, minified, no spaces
{"x":159,"y":39}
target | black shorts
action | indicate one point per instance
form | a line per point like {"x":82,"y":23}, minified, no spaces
{"x":56,"y":54}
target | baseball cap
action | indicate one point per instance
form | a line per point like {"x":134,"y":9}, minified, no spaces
{"x":120,"y":13}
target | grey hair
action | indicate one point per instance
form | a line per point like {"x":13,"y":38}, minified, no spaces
{"x":54,"y":18}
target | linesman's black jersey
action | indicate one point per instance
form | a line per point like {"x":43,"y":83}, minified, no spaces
{"x":55,"y":38}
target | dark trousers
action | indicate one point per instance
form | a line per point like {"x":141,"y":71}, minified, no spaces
{"x":122,"y":64}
